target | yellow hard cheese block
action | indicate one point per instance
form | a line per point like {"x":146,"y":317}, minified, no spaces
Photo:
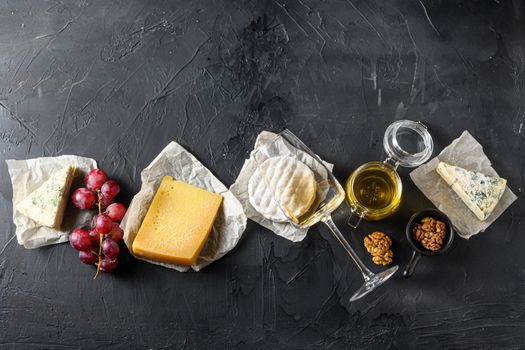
{"x":177,"y":223}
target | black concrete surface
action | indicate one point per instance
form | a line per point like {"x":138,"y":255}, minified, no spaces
{"x":118,"y":80}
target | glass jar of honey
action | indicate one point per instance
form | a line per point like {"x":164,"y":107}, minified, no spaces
{"x":374,"y":190}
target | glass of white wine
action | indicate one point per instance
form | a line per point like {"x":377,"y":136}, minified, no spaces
{"x":329,"y":194}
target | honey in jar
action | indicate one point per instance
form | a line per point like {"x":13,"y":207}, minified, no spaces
{"x":374,"y":190}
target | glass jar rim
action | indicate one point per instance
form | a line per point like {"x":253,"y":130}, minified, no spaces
{"x":397,"y":153}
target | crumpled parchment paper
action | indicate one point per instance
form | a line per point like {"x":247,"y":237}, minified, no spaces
{"x":26,"y":176}
{"x":467,"y":153}
{"x":240,"y":187}
{"x":177,"y":162}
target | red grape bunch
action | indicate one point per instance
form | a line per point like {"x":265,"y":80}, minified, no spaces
{"x":99,"y":245}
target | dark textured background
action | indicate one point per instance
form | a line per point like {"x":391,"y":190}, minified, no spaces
{"x":118,"y":80}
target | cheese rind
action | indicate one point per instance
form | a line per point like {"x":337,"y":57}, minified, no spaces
{"x":480,"y":193}
{"x":46,"y":205}
{"x":177,"y":224}
{"x":282,"y":183}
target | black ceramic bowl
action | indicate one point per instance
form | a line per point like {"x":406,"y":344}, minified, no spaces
{"x":420,"y":250}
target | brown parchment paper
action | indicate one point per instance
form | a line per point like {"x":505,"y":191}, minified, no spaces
{"x":177,"y":162}
{"x":467,"y":153}
{"x":26,"y":176}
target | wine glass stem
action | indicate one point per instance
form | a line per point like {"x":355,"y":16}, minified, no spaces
{"x":367,"y":274}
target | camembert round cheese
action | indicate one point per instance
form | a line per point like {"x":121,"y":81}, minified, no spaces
{"x":282,"y":184}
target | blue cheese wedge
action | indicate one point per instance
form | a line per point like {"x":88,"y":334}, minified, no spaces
{"x":481,"y":193}
{"x":46,"y":204}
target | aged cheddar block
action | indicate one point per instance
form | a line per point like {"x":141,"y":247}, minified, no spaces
{"x":46,"y":204}
{"x":177,"y":223}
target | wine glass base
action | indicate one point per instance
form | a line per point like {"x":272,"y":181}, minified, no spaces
{"x":372,"y":283}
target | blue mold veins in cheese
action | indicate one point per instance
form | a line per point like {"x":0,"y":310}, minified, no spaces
{"x":46,"y":205}
{"x":481,"y":193}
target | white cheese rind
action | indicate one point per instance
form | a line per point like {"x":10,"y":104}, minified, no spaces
{"x":481,"y":193}
{"x":46,"y":204}
{"x":282,"y":181}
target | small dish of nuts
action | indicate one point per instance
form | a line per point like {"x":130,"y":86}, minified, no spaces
{"x":429,"y":232}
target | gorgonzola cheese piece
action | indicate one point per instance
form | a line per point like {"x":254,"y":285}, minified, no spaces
{"x":46,"y":204}
{"x":481,"y":193}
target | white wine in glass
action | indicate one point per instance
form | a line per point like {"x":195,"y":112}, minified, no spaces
{"x":329,"y":194}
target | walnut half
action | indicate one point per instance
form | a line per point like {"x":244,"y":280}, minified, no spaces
{"x":378,"y":245}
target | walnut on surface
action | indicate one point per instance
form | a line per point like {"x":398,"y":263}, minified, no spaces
{"x":378,"y":245}
{"x":430,"y":233}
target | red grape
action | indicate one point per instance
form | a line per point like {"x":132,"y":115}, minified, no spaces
{"x":83,"y":198}
{"x":95,"y":179}
{"x":103,"y":223}
{"x":87,"y":257}
{"x":99,"y":191}
{"x":110,"y":189}
{"x":106,"y":201}
{"x":110,"y":248}
{"x":80,"y":239}
{"x":95,"y":237}
{"x":116,"y":233}
{"x":116,"y":211}
{"x":108,"y":265}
